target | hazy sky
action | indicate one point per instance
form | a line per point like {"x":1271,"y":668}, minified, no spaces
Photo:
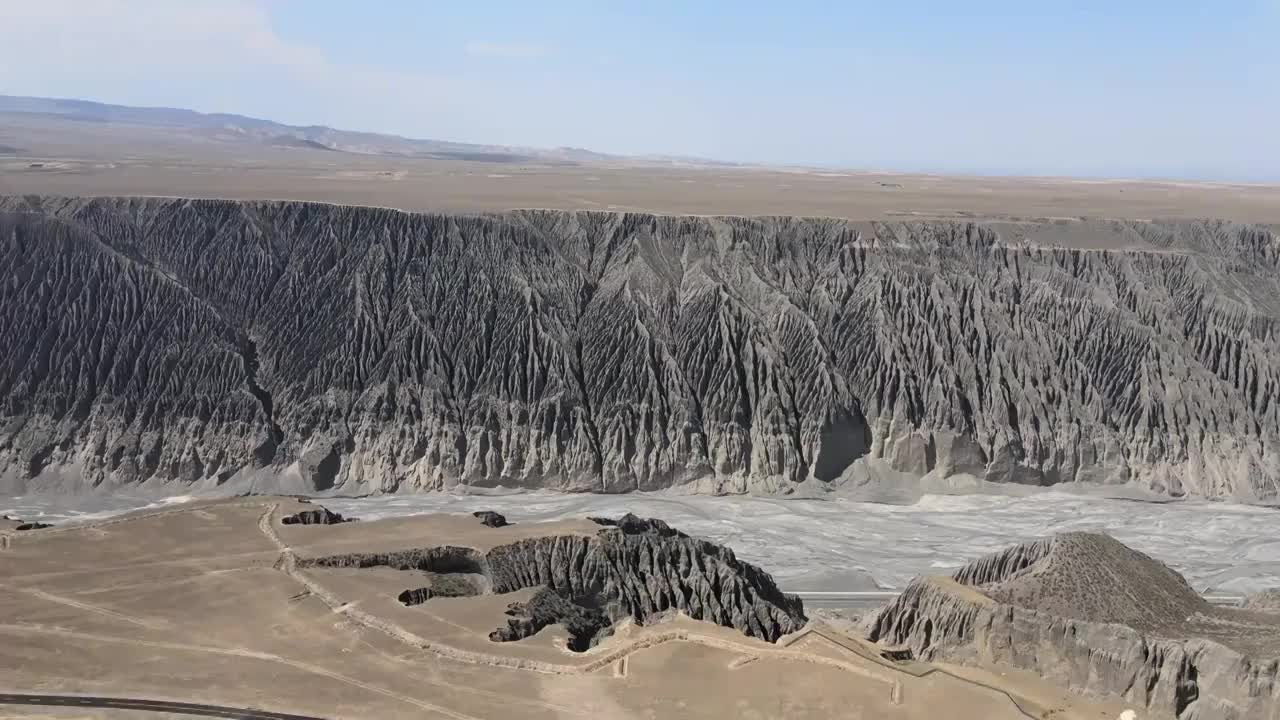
{"x":1117,"y":88}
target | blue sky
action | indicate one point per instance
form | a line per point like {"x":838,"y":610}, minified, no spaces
{"x":1123,"y":89}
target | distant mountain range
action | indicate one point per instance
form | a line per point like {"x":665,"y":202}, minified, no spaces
{"x":229,"y":127}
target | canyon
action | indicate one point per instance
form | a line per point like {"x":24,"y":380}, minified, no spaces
{"x":174,"y":345}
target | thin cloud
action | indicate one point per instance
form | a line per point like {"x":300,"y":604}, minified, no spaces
{"x":506,"y":50}
{"x":119,"y":50}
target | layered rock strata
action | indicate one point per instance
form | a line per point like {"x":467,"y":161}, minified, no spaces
{"x":643,"y":572}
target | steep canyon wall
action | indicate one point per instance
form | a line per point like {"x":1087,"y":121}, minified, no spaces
{"x":172,"y":344}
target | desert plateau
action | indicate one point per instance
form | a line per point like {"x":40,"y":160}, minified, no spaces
{"x":300,"y":423}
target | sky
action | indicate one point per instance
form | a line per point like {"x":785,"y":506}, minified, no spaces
{"x":1121,"y":88}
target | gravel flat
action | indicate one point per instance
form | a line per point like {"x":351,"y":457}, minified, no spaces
{"x":842,"y":545}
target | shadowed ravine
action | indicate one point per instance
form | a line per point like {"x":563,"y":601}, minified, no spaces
{"x":611,"y":352}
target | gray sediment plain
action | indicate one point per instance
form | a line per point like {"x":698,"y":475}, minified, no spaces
{"x":173,"y":344}
{"x":108,"y":154}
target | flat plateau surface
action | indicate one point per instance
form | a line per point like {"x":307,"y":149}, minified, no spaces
{"x":61,"y":157}
{"x":213,"y":603}
{"x":841,"y":545}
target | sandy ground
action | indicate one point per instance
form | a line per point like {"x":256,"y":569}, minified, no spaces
{"x":76,"y":158}
{"x":204,"y":602}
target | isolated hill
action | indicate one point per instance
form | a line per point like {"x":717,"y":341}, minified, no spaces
{"x":1084,"y":611}
{"x":300,"y":347}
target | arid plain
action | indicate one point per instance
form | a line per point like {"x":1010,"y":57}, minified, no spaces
{"x":54,"y":156}
{"x":221,"y":603}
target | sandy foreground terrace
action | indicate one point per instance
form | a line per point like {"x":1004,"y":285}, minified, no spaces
{"x":215,"y":603}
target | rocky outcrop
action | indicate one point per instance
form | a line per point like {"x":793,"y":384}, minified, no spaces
{"x":319,"y":516}
{"x":490,"y":518}
{"x":1088,"y":613}
{"x":415,"y":596}
{"x":302,"y":348}
{"x":445,"y":585}
{"x":1005,"y":565}
{"x":33,"y":526}
{"x":445,"y":559}
{"x":642,"y":574}
{"x":586,"y":624}
{"x":1264,"y":601}
{"x":15,"y":523}
{"x":632,"y":524}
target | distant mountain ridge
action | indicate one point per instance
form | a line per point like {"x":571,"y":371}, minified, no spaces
{"x":228,"y":126}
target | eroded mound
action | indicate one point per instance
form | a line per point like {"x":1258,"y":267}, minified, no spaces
{"x":319,"y":516}
{"x":459,"y":584}
{"x":14,"y":523}
{"x":632,"y":524}
{"x":489,"y":518}
{"x":1087,"y":576}
{"x":584,"y":620}
{"x":444,"y":559}
{"x":632,"y":568}
{"x":34,"y":525}
{"x":1084,"y":610}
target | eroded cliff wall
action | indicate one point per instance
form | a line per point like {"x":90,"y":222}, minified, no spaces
{"x":301,"y":347}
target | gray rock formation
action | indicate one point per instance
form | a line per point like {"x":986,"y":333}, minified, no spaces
{"x":443,"y":560}
{"x":414,"y":596}
{"x":1086,"y":612}
{"x":1264,"y":601}
{"x":33,"y":525}
{"x":632,"y":524}
{"x":489,"y":518}
{"x":319,"y":516}
{"x":290,"y":347}
{"x":641,"y":574}
{"x":586,"y":624}
{"x":445,"y":585}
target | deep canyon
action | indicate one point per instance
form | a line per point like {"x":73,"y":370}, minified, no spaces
{"x":177,"y":345}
